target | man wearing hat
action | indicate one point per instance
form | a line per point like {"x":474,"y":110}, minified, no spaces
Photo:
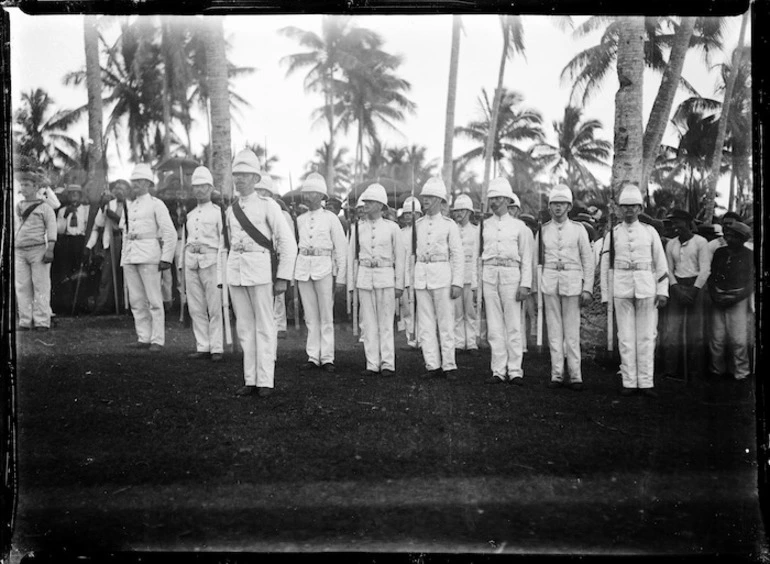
{"x":640,"y":286}
{"x":730,"y":285}
{"x":321,"y":261}
{"x":72,"y":221}
{"x":410,"y":212}
{"x":34,"y":241}
{"x":334,"y":205}
{"x":466,"y":321}
{"x":381,"y":258}
{"x":203,"y":252}
{"x":258,"y":231}
{"x":567,"y":284}
{"x":438,"y":279}
{"x":506,"y":259}
{"x":529,"y":311}
{"x":106,"y":224}
{"x":149,"y":243}
{"x":689,"y":264}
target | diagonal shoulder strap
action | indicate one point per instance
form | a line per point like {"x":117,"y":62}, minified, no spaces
{"x":27,"y":212}
{"x":251,"y":229}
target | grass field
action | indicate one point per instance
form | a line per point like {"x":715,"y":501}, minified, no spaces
{"x":127,"y":450}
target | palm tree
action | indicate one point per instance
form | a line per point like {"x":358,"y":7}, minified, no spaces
{"x":449,"y":127}
{"x":216,"y":66}
{"x":517,"y":130}
{"x":41,"y":133}
{"x":513,"y":42}
{"x":337,"y":48}
{"x":577,"y":148}
{"x":96,"y":174}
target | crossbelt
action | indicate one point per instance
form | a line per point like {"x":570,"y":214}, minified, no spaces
{"x":313,"y":252}
{"x":432,"y":258}
{"x":625,"y":265}
{"x":562,"y":266}
{"x":375,"y":263}
{"x":501,"y":262}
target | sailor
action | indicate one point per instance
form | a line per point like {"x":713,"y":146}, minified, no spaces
{"x":466,"y":321}
{"x":380,"y":255}
{"x":567,"y":285}
{"x":149,"y":241}
{"x":321,"y":261}
{"x":203,"y":253}
{"x":411,"y":207}
{"x":438,"y":279}
{"x":259,"y":236}
{"x":507,"y":278}
{"x":640,"y":286}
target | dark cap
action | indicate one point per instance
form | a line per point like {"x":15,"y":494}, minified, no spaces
{"x":741,"y":229}
{"x":680,"y":214}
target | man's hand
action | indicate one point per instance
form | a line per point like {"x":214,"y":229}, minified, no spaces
{"x":112,"y":215}
{"x":689,"y":295}
{"x":586,"y":298}
{"x":456,"y":292}
{"x":660,"y":301}
{"x":48,"y":256}
{"x":164,"y":265}
{"x":399,"y":293}
{"x":522,"y":294}
{"x":87,"y":255}
{"x":280,"y":286}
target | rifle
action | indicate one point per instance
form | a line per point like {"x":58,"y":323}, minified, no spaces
{"x":77,"y":287}
{"x":182,"y":220}
{"x":540,"y":266}
{"x":126,"y":302}
{"x":294,"y":287}
{"x":225,"y":290}
{"x":412,"y":264}
{"x":610,"y":289}
{"x":356,"y":250}
{"x":480,"y":270}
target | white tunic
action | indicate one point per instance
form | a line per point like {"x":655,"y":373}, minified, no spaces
{"x":568,"y":265}
{"x":204,"y":242}
{"x":150,"y":236}
{"x":322,"y":246}
{"x":469,"y":234}
{"x":507,"y":239}
{"x":381,"y":257}
{"x":440,"y":258}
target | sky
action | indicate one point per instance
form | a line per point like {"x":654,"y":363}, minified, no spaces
{"x":45,"y":48}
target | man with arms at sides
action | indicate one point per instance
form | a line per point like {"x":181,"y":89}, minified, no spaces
{"x":466,"y":322}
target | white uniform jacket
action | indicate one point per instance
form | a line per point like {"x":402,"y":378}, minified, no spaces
{"x":63,"y":225}
{"x":381,"y":256}
{"x":440,"y":259}
{"x":248,"y":263}
{"x":568,"y":266}
{"x":641,"y":269}
{"x":469,"y":234}
{"x":322,"y":246}
{"x":150,"y":236}
{"x":508,"y":242}
{"x":204,"y":244}
{"x":101,"y":221}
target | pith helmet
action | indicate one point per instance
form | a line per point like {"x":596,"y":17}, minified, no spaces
{"x":560,"y":193}
{"x":202,"y":175}
{"x":142,"y":171}
{"x":501,"y":187}
{"x":411,"y":204}
{"x":463,"y":202}
{"x":630,"y":195}
{"x":376,"y":193}
{"x":314,"y":183}
{"x":247,"y":162}
{"x":265,"y":183}
{"x":434,"y":186}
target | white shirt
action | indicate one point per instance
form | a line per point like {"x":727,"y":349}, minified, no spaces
{"x":639,"y":244}
{"x":248,"y":263}
{"x":507,"y":238}
{"x":440,"y":259}
{"x":689,"y":259}
{"x":102,"y":222}
{"x":149,"y":237}
{"x":568,"y":265}
{"x":320,"y":230}
{"x":469,"y":234}
{"x":378,"y":240}
{"x":63,"y":223}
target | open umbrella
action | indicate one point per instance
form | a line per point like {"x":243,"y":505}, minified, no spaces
{"x":397,"y":191}
{"x":176,"y":168}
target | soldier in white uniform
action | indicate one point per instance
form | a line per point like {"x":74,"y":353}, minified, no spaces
{"x":381,"y":257}
{"x":567,"y":284}
{"x":149,"y":242}
{"x":507,"y":278}
{"x":466,"y":321}
{"x":438,"y":279}
{"x":203,"y":253}
{"x":410,"y":206}
{"x":250,"y":273}
{"x":640,"y":286}
{"x":321,"y":260}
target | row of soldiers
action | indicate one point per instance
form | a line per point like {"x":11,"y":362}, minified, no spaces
{"x":438,"y":271}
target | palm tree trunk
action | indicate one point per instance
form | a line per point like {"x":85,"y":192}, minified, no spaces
{"x":97,"y":175}
{"x":489,"y":147}
{"x":627,"y":163}
{"x":731,"y":198}
{"x":330,"y":120}
{"x":216,"y":80}
{"x":661,"y":108}
{"x":449,"y":127}
{"x":716,"y":160}
{"x":165,"y":90}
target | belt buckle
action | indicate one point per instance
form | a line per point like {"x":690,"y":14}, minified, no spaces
{"x":559,"y":266}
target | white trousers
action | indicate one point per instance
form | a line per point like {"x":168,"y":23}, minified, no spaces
{"x":279,"y":311}
{"x":407,"y":318}
{"x":378,"y":308}
{"x":562,"y":315}
{"x":466,"y":321}
{"x":504,"y":329}
{"x":33,"y":287}
{"x":729,"y":332}
{"x":637,"y":329}
{"x":435,"y":323}
{"x":318,"y":304}
{"x":144,"y":295}
{"x":204,"y":302}
{"x":254,"y":321}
